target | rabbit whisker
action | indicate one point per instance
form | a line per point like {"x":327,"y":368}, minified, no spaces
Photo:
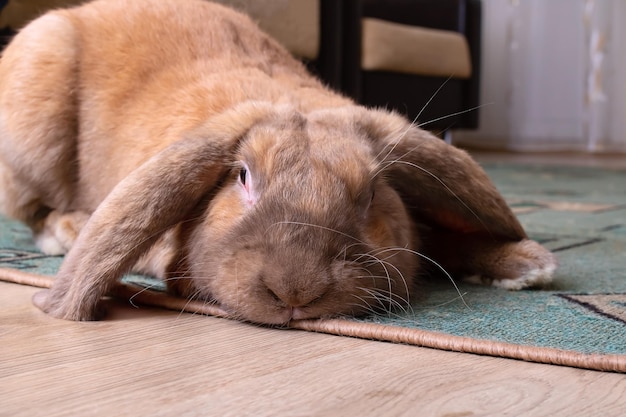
{"x":441,"y":268}
{"x":421,"y":125}
{"x":374,"y":253}
{"x":403,"y":132}
{"x":447,"y":189}
{"x":389,"y":300}
{"x":194,"y":297}
{"x":319,"y":227}
{"x":344,"y":251}
{"x":432,"y":97}
{"x":370,"y":309}
{"x":365,"y":305}
{"x":385,"y":262}
{"x":384,"y":266}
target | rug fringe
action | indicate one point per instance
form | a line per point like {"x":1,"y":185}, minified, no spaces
{"x":372,"y":331}
{"x":435,"y":340}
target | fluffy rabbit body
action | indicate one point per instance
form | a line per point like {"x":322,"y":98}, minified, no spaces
{"x":175,"y":138}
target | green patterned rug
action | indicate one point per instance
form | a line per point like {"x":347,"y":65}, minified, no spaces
{"x":579,"y":213}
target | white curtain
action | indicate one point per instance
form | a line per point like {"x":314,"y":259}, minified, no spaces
{"x":553,"y":76}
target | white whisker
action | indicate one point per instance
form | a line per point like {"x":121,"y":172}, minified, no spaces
{"x":432,"y":97}
{"x":441,"y":268}
{"x":319,"y":227}
{"x":447,"y":189}
{"x":453,"y":114}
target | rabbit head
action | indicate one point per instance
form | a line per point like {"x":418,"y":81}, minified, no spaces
{"x":314,"y":217}
{"x":304,"y":226}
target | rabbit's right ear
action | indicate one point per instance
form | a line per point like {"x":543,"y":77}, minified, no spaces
{"x":154,"y":197}
{"x":439,"y":184}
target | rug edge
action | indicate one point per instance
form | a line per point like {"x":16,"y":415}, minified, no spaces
{"x":369,"y":331}
{"x":446,"y":342}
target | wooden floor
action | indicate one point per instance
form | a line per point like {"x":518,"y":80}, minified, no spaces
{"x":151,"y":362}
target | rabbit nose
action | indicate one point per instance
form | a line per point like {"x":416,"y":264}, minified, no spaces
{"x":294,"y":298}
{"x":299,"y":314}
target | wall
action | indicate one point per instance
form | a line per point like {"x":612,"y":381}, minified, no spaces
{"x":554,"y":76}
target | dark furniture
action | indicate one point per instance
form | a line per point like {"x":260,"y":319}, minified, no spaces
{"x":443,"y":103}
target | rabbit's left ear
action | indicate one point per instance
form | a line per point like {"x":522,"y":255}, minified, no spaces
{"x":155,"y":196}
{"x":440,"y":184}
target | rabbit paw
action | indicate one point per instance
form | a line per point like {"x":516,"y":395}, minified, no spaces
{"x":59,"y":232}
{"x":515,"y":266}
{"x":61,"y":307}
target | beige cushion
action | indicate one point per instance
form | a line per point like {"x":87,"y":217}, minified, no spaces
{"x":294,"y":23}
{"x":395,"y":47}
{"x":18,"y":13}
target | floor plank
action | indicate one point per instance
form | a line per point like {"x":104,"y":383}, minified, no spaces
{"x":152,"y":362}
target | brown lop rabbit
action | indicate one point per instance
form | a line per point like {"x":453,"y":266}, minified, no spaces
{"x":175,"y":138}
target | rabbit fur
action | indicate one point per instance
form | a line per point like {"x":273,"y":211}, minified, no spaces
{"x":173,"y":137}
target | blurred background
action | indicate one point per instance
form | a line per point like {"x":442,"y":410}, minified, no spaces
{"x":553,"y":76}
{"x":512,"y":75}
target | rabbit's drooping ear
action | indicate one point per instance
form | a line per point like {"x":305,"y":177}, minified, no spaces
{"x":154,"y":197}
{"x":439,"y":183}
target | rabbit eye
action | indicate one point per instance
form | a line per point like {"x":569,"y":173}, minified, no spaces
{"x":243,"y":174}
{"x":245,"y":179}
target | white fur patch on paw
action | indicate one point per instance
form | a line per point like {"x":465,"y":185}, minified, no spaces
{"x":59,"y":232}
{"x":537,"y":277}
{"x":517,"y":265}
{"x":534,"y":278}
{"x":49,"y":244}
